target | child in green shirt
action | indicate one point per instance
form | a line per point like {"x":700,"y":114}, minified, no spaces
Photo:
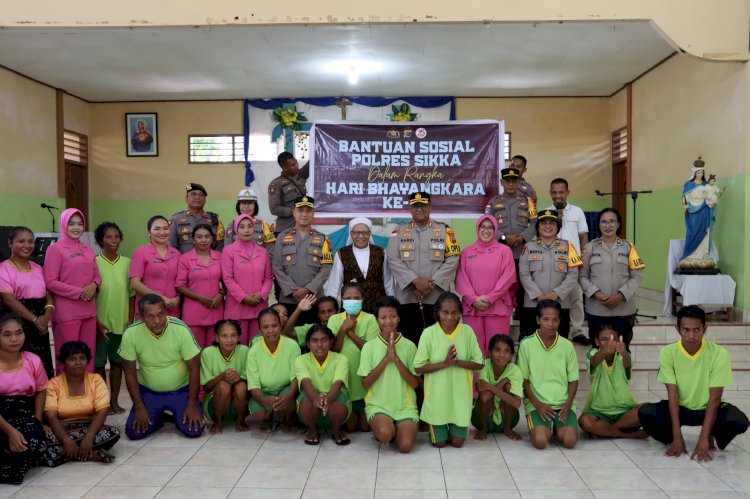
{"x":223,"y":377}
{"x":448,"y":352}
{"x":387,"y":370}
{"x":695,"y":372}
{"x":499,"y":391}
{"x":549,"y":367}
{"x":610,"y":411}
{"x":327,"y":306}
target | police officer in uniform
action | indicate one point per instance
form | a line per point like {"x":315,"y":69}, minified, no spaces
{"x":519,"y":163}
{"x":516,"y":215}
{"x":247,"y":203}
{"x":423,"y":256}
{"x":302,"y":259}
{"x":549,"y":271}
{"x":285,"y":189}
{"x":181,"y":224}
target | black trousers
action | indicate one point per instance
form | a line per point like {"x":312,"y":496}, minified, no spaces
{"x":519,"y":294}
{"x":412,"y":323}
{"x":529,"y":325}
{"x":729,"y":423}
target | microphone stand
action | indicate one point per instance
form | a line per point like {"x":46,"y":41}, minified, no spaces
{"x":634,"y":196}
{"x":53,"y":217}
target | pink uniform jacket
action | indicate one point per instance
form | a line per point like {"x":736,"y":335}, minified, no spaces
{"x":69,"y":265}
{"x":246,"y":268}
{"x":203,"y":279}
{"x":487,"y":269}
{"x":156,"y":272}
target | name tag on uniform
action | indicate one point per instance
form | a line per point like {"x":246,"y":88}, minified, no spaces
{"x":73,"y":255}
{"x":244,"y":261}
{"x":197,"y":268}
{"x":535,"y":257}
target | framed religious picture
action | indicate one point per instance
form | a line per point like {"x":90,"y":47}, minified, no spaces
{"x":141,"y":137}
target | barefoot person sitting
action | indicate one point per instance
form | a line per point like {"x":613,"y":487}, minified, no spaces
{"x":76,"y":408}
{"x":223,"y":377}
{"x":499,"y":391}
{"x":610,"y":410}
{"x":269,"y":367}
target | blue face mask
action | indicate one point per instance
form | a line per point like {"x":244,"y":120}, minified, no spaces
{"x":352,"y":307}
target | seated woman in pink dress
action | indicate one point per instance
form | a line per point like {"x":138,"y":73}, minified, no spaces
{"x":72,"y":276}
{"x":486,"y":281}
{"x":199,"y":281}
{"x":246,"y":268}
{"x":153,"y":268}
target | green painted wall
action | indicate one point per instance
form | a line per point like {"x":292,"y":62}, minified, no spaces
{"x":21,"y":209}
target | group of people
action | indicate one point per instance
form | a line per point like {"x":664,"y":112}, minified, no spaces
{"x":187,"y":322}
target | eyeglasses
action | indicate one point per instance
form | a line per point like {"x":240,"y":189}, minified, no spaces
{"x":360,"y":233}
{"x":486,"y":227}
{"x":608,"y":223}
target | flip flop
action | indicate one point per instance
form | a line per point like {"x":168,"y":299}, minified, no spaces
{"x":340,"y":438}
{"x":312,"y":438}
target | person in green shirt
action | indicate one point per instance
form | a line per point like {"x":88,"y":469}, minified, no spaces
{"x":270,"y":373}
{"x":353,"y":328}
{"x":549,"y":367}
{"x":115,"y":306}
{"x":447,"y":354}
{"x":161,"y":361}
{"x":499,"y":391}
{"x":327,"y":306}
{"x":387,"y":370}
{"x":223,"y":378}
{"x":610,"y":410}
{"x":322,"y":376}
{"x":695,"y":372}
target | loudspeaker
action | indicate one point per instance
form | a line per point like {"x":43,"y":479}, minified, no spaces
{"x":4,"y":247}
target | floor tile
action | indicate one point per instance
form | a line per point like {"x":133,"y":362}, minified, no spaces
{"x":333,"y":492}
{"x":585,"y":443}
{"x":34,"y":491}
{"x":167,"y":456}
{"x":628,"y":494}
{"x":350,"y":476}
{"x":357,"y":456}
{"x":729,"y":460}
{"x":75,"y":474}
{"x":8,"y":490}
{"x":411,"y":494}
{"x":483,"y":494}
{"x":472,"y":457}
{"x":146,"y":476}
{"x":170,"y":437}
{"x":738,"y":479}
{"x":410,"y":478}
{"x":616,"y":478}
{"x":299,"y":457}
{"x":598,"y":458}
{"x":222,"y":457}
{"x":197,"y":476}
{"x":686,"y":494}
{"x":423,"y":455}
{"x":129,"y":492}
{"x":244,"y":493}
{"x":472,"y":477}
{"x":231,"y":440}
{"x":559,"y":479}
{"x":529,"y":457}
{"x":202,"y":492}
{"x":556,"y":494}
{"x":655,"y":459}
{"x":277,"y":477}
{"x":694,"y":480}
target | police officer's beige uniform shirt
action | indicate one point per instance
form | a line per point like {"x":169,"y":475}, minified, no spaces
{"x":282,"y":191}
{"x":515,"y":215}
{"x":609,"y":270}
{"x":548,"y":268}
{"x":525,"y":188}
{"x":429,"y":251}
{"x":301,"y":259}
{"x":181,"y":229}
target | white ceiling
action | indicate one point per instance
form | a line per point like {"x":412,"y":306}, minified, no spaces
{"x":139,"y":64}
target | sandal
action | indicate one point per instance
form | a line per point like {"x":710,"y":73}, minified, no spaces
{"x":102,"y":456}
{"x":340,"y":438}
{"x":312,"y":438}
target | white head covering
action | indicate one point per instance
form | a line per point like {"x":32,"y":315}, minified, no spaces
{"x":353,"y":223}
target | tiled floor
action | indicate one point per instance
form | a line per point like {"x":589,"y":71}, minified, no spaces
{"x":279,"y":465}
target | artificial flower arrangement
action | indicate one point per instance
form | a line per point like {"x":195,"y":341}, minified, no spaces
{"x":402,"y":113}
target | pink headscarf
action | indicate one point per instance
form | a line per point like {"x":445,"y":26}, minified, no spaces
{"x":65,"y":217}
{"x":236,"y":226}
{"x":493,"y":242}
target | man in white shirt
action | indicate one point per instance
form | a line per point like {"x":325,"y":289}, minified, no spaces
{"x":576,"y":231}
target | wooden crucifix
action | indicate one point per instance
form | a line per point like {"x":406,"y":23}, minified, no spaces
{"x":343,"y":103}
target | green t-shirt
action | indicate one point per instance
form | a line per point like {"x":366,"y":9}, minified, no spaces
{"x":367,"y":329}
{"x":113,"y":299}
{"x":512,"y":373}
{"x":609,"y":393}
{"x":271,"y":372}
{"x":390,"y":394}
{"x":549,"y":371}
{"x":334,"y":368}
{"x":161,"y":359}
{"x":447,"y":392}
{"x":214,"y":363}
{"x":710,"y":367}
{"x":300,"y":331}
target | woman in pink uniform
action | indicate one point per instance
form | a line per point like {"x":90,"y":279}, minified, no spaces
{"x":153,"y":267}
{"x":486,"y":281}
{"x":71,"y":275}
{"x":246,"y":268}
{"x":199,"y":281}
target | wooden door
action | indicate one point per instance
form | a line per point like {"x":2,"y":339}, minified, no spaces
{"x":77,"y":188}
{"x":620,"y":184}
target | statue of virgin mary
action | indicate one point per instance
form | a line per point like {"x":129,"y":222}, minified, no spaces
{"x":699,"y":220}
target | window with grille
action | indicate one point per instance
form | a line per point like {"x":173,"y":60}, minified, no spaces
{"x":75,"y":148}
{"x":620,"y":145}
{"x":216,"y":149}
